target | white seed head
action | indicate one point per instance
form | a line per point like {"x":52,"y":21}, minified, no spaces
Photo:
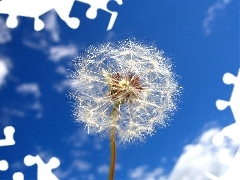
{"x":135,"y":76}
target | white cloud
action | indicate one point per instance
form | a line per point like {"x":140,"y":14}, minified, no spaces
{"x":197,"y":159}
{"x":29,"y":88}
{"x":61,"y":70}
{"x":28,"y":103}
{"x":4,"y":70}
{"x":154,"y":174}
{"x":103,"y":169}
{"x":137,"y":172}
{"x":13,"y":112}
{"x":36,"y":42}
{"x":7,"y":114}
{"x":33,"y":103}
{"x":50,"y":34}
{"x":81,"y":165}
{"x":203,"y":156}
{"x":51,"y":25}
{"x":78,"y":139}
{"x":56,"y":53}
{"x":77,"y":168}
{"x":142,"y":172}
{"x":5,"y":34}
{"x":62,"y":86}
{"x":211,"y":14}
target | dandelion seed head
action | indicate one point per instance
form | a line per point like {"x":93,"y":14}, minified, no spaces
{"x":139,"y":78}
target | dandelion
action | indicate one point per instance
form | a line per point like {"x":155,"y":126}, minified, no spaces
{"x":123,"y":90}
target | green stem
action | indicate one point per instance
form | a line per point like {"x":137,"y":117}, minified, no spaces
{"x":113,"y":141}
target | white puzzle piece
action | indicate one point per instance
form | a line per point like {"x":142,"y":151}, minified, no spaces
{"x":18,"y":176}
{"x":44,"y":171}
{"x":8,"y":132}
{"x":36,"y":8}
{"x":3,"y":165}
{"x":233,"y":130}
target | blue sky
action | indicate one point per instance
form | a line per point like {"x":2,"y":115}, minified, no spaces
{"x":201,"y":38}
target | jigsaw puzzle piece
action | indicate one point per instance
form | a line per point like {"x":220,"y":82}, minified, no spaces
{"x":8,"y":133}
{"x":3,"y":165}
{"x":232,"y":131}
{"x":6,"y":8}
{"x":18,"y":176}
{"x":63,"y":9}
{"x":44,"y":171}
{"x":103,"y":5}
{"x":234,"y":101}
{"x":113,"y":5}
{"x":25,"y":8}
{"x":36,"y":8}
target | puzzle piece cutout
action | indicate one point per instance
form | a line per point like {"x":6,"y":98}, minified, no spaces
{"x":234,"y":101}
{"x":36,"y":8}
{"x":8,"y":133}
{"x":44,"y":171}
{"x":232,"y":131}
{"x":114,"y":5}
{"x":101,"y":4}
{"x":18,"y":176}
{"x":3,"y":165}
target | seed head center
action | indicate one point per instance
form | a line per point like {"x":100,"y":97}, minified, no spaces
{"x":124,"y":88}
{"x":124,"y":84}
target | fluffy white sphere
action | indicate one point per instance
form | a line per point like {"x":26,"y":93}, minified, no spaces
{"x":135,"y":76}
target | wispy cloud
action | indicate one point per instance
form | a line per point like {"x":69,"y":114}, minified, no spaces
{"x":197,"y":158}
{"x":27,"y":103}
{"x":4,"y":71}
{"x":29,"y":88}
{"x":79,"y":167}
{"x":62,"y":70}
{"x":211,"y":14}
{"x":62,"y":86}
{"x":56,"y":53}
{"x":202,"y":156}
{"x":50,"y":34}
{"x":9,"y":112}
{"x":5,"y":34}
{"x":103,"y":169}
{"x":44,"y":40}
{"x":143,"y":172}
{"x":51,"y":25}
{"x":33,"y":103}
{"x":65,"y":83}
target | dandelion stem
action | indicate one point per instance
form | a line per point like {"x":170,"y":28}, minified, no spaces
{"x":113,"y":154}
{"x":113,"y":141}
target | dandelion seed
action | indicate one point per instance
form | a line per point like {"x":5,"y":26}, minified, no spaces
{"x":123,"y":90}
{"x":136,"y":77}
